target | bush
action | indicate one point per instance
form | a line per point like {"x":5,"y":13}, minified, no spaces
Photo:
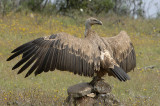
{"x":33,"y":5}
{"x":88,"y":6}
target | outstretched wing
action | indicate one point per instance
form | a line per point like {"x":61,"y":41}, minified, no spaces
{"x":123,"y":51}
{"x":59,"y":51}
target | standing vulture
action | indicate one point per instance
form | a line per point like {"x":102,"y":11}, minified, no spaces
{"x":92,"y":56}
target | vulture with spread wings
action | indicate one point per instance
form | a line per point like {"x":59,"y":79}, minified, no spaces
{"x":92,"y":56}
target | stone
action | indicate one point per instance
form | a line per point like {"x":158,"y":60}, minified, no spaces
{"x":82,"y":101}
{"x":102,"y":87}
{"x":80,"y":90}
{"x":91,"y":95}
{"x":84,"y":94}
{"x":99,"y":100}
{"x":107,"y":100}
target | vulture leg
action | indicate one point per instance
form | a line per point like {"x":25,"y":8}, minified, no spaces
{"x":98,"y":77}
{"x":95,"y":80}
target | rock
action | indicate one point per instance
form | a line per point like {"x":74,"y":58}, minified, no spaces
{"x":81,"y":101}
{"x":84,"y":94}
{"x":106,"y":100}
{"x":102,"y":87}
{"x":80,"y":90}
{"x":91,"y":95}
{"x":99,"y":100}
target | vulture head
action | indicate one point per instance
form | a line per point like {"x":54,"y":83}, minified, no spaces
{"x":92,"y":21}
{"x":89,"y":22}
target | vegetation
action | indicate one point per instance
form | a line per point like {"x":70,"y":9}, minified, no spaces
{"x":88,"y":6}
{"x":51,"y":88}
{"x":133,"y":8}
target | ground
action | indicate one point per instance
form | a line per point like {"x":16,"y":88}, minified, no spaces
{"x":50,"y":88}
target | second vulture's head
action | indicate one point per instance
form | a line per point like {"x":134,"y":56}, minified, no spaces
{"x":92,"y":21}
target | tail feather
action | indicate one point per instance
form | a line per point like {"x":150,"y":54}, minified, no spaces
{"x":120,"y":73}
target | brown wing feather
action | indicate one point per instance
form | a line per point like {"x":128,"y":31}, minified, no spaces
{"x":123,"y":51}
{"x":60,"y":51}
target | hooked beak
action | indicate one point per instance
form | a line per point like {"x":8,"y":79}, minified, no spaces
{"x":99,"y":22}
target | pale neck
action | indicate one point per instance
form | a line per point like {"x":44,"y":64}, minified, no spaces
{"x":87,"y":29}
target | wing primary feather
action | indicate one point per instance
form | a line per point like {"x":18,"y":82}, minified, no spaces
{"x":71,"y":62}
{"x":79,"y":65}
{"x":54,"y":58}
{"x":20,"y":51}
{"x":48,"y":57}
{"x":49,"y":61}
{"x":90,"y":70}
{"x":93,"y":70}
{"x":28,"y":63}
{"x":58,"y":53}
{"x":62,"y":60}
{"x":40,"y":66}
{"x":43,"y":62}
{"x":87,"y":67}
{"x":58,"y":59}
{"x":117,"y":75}
{"x":128,"y":65}
{"x":26,"y":44}
{"x":21,"y":47}
{"x":43,"y":59}
{"x":134,"y":58}
{"x":84,"y":67}
{"x":25,"y":54}
{"x":65,"y":59}
{"x":51,"y":58}
{"x":53,"y":36}
{"x":67,"y":62}
{"x":39,"y":71}
{"x":38,"y":42}
{"x":35,"y":65}
{"x":23,"y":60}
{"x":74,"y":64}
{"x":120,"y":74}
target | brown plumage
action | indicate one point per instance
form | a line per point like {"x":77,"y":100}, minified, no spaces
{"x":89,"y":56}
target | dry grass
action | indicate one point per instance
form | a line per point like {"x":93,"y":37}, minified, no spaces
{"x":50,"y":88}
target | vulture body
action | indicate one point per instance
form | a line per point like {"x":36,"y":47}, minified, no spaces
{"x":89,"y":56}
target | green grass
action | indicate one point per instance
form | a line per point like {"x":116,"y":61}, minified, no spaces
{"x":51,"y":88}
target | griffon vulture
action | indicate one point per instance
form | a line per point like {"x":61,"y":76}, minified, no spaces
{"x":92,"y":56}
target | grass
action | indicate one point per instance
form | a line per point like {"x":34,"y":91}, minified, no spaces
{"x":51,"y":88}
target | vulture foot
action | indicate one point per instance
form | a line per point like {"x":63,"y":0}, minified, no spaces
{"x":95,"y":80}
